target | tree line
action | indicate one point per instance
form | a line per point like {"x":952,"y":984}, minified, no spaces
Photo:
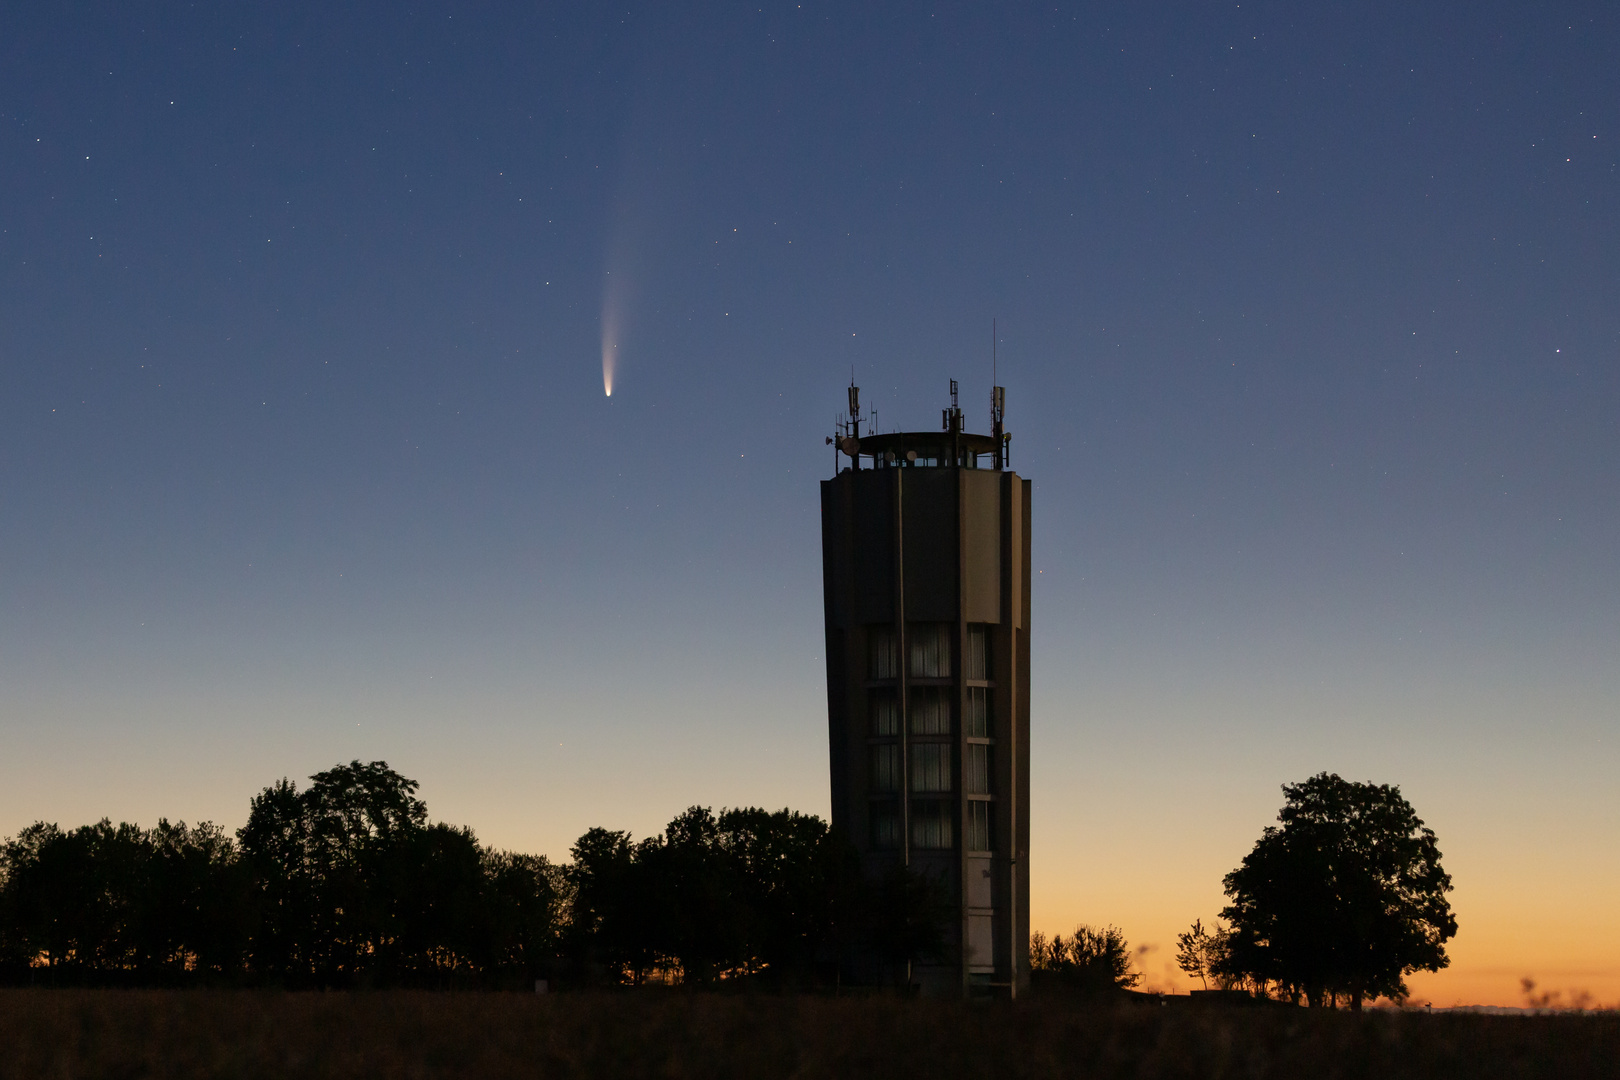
{"x":347,"y":883}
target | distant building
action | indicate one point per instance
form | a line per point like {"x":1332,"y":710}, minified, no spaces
{"x":926,"y":580}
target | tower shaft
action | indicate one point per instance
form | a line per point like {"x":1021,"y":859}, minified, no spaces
{"x":926,"y":585}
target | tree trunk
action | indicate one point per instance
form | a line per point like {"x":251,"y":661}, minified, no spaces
{"x":1355,"y":1001}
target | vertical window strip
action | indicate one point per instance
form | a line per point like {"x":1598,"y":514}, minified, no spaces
{"x":885,"y":713}
{"x":977,"y":724}
{"x":885,"y":660}
{"x":931,"y":825}
{"x":930,"y":650}
{"x":976,"y":665}
{"x":976,"y":769}
{"x":930,"y":709}
{"x":931,"y":767}
{"x":978,"y":826}
{"x":886,"y":767}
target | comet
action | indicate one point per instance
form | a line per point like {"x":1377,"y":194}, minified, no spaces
{"x":613,"y":304}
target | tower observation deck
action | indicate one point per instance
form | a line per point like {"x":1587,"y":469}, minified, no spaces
{"x":926,"y":588}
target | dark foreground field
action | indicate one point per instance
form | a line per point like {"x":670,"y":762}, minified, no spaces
{"x":67,"y":1034}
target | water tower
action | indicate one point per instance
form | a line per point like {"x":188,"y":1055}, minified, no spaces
{"x":926,"y":581}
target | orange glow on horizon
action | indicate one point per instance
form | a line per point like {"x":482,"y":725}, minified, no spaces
{"x":1570,"y":952}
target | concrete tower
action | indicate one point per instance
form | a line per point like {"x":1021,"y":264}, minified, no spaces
{"x":925,"y":574}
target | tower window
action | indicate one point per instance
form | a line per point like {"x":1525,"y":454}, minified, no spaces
{"x":931,"y":825}
{"x":885,"y":713}
{"x":978,"y":826}
{"x":931,"y":767}
{"x":930,"y":709}
{"x":885,"y":657}
{"x":930,"y":650}
{"x":976,"y":769}
{"x":886,"y":767}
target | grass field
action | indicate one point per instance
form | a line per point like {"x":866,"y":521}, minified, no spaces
{"x":245,"y":1034}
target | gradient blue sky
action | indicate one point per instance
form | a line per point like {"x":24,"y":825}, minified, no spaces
{"x":1309,"y":318}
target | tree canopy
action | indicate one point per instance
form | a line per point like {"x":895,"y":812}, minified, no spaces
{"x":1343,"y":898}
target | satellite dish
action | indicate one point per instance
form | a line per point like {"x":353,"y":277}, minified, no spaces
{"x":850,"y":445}
{"x":889,"y":457}
{"x":911,"y":456}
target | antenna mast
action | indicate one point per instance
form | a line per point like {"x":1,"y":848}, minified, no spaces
{"x":851,"y":443}
{"x":848,"y":438}
{"x":998,"y":406}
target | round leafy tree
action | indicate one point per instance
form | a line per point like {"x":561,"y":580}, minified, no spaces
{"x":1342,"y":900}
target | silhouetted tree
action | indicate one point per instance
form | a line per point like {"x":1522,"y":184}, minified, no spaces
{"x":525,"y":908}
{"x":276,"y":846}
{"x":800,"y":883}
{"x":353,"y":885}
{"x":346,"y":883}
{"x":438,"y":910}
{"x":905,"y":917}
{"x":705,"y":924}
{"x":1090,"y":961}
{"x":747,"y":893}
{"x":1193,"y":952}
{"x":201,"y":915}
{"x":613,"y":918}
{"x":120,"y":903}
{"x":364,"y":822}
{"x":1202,"y":953}
{"x":74,"y":896}
{"x":1346,"y":897}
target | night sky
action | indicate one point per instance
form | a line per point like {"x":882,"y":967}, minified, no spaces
{"x":1309,"y":319}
